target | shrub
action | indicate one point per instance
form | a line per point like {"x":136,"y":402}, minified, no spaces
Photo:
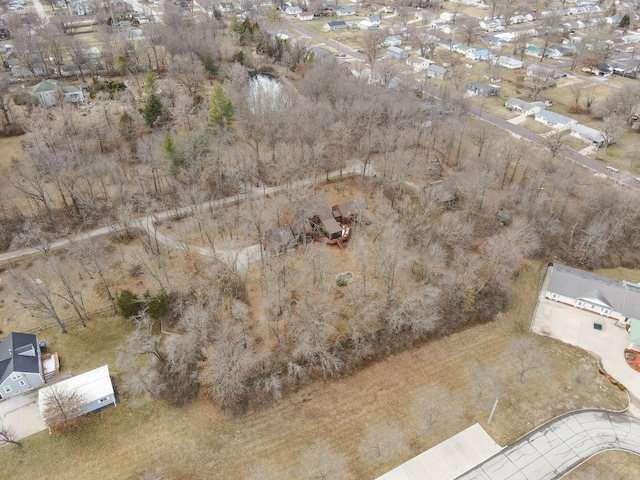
{"x":129,"y":304}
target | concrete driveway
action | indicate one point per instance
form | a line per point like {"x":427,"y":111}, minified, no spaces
{"x":553,"y":449}
{"x":576,"y":327}
{"x":22,"y":415}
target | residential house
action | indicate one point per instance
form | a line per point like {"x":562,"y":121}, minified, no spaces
{"x":554,"y":120}
{"x":463,"y":49}
{"x":418,"y":64}
{"x":516,"y":19}
{"x":48,"y":91}
{"x":624,"y":67}
{"x":424,"y":16}
{"x":556,"y":52}
{"x":604,"y":296}
{"x":522,"y":107}
{"x":446,"y":16}
{"x":312,"y":217}
{"x":604,"y":70}
{"x":533,"y":51}
{"x":370,"y":23}
{"x":305,"y":16}
{"x":392,"y":41}
{"x":292,"y":10}
{"x":495,"y":40}
{"x":437,"y":24}
{"x":345,"y":11}
{"x":94,"y":388}
{"x":540,"y":71}
{"x":334,"y":25}
{"x":397,"y":52}
{"x":482,"y":89}
{"x":444,"y":192}
{"x":509,"y":62}
{"x":478,"y":54}
{"x":20,"y":364}
{"x":590,"y":135}
{"x":488,"y":25}
{"x":435,"y":71}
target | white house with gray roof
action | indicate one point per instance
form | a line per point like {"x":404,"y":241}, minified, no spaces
{"x":93,"y":387}
{"x":554,"y":120}
{"x":522,"y":107}
{"x":594,"y":293}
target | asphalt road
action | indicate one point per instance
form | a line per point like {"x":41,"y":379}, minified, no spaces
{"x":320,"y":39}
{"x":555,"y":448}
{"x":572,"y":155}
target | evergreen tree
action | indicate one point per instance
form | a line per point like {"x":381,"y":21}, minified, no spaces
{"x":172,"y":159}
{"x":220,"y":111}
{"x":152,"y":109}
{"x":625,"y":21}
{"x":150,"y":84}
{"x":210,"y":65}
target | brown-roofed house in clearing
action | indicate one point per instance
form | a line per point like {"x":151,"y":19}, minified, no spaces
{"x":346,"y":213}
{"x":312,"y":218}
{"x":444,"y":192}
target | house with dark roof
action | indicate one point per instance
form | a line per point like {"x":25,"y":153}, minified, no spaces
{"x":20,"y":365}
{"x":334,"y":25}
{"x":610,"y":298}
{"x":482,"y":89}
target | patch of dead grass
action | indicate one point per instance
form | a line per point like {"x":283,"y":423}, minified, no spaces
{"x":124,"y":442}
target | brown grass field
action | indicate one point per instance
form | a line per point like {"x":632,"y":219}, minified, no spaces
{"x":127,"y":441}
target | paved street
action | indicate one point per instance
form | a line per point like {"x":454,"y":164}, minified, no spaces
{"x":320,"y":39}
{"x":556,"y":447}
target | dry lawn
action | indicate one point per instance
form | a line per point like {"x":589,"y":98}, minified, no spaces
{"x":127,"y":441}
{"x":611,"y":465}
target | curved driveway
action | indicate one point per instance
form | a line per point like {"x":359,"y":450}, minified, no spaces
{"x":558,"y":446}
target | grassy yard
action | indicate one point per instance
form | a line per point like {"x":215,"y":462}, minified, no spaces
{"x":127,"y":441}
{"x":611,"y":465}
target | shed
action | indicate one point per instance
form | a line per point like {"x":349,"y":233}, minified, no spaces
{"x":94,"y":387}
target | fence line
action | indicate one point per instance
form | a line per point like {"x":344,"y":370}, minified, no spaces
{"x":72,"y":320}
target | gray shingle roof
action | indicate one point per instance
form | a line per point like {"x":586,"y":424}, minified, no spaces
{"x":18,"y":353}
{"x":623,"y":297}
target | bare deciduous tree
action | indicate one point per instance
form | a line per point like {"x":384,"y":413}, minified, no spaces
{"x":8,"y":436}
{"x":320,"y":462}
{"x":61,"y":407}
